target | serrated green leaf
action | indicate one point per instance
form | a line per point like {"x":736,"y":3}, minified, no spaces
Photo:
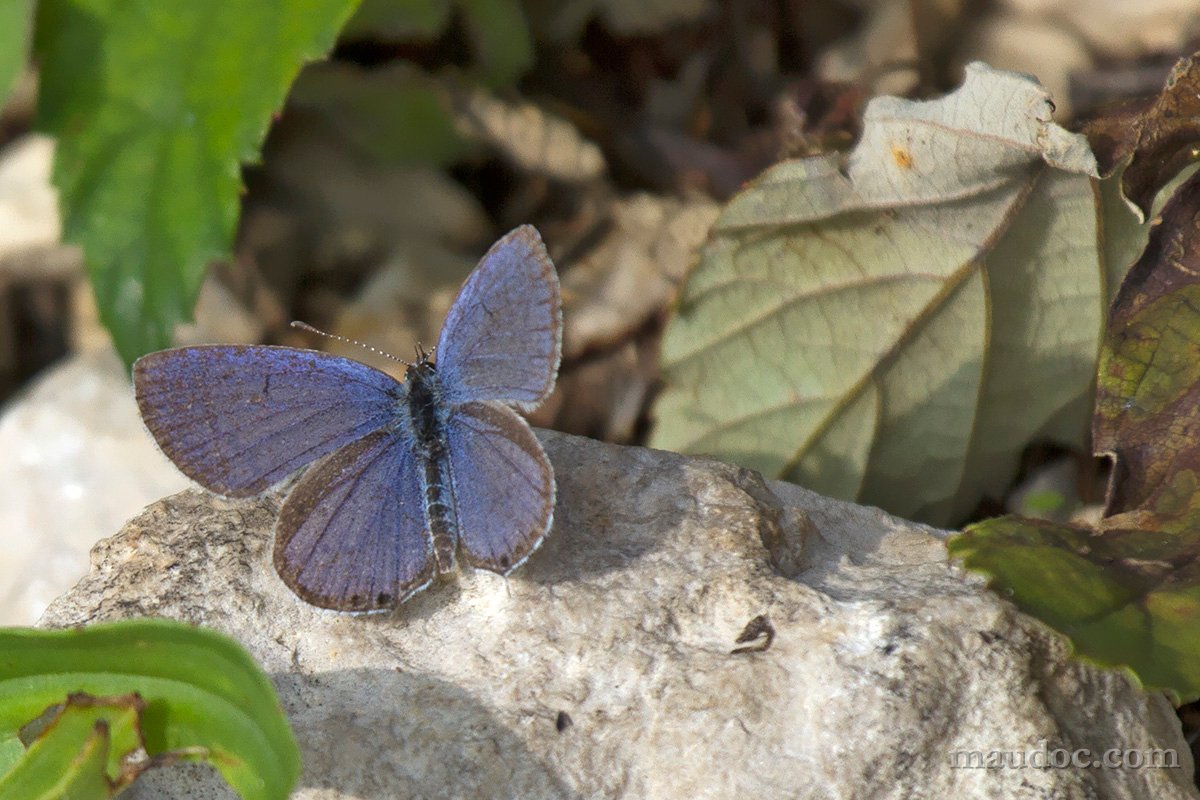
{"x":204,"y":696}
{"x":16,"y":22}
{"x":156,"y":104}
{"x":896,"y":334}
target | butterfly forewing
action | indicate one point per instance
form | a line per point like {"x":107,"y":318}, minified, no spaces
{"x":503,"y":485}
{"x":502,"y":337}
{"x":352,"y":535}
{"x":240,"y":419}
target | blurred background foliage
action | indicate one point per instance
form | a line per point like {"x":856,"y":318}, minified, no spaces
{"x":230,"y":168}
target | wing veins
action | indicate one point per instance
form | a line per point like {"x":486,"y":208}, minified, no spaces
{"x":356,"y":479}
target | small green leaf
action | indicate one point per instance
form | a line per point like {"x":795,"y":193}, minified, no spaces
{"x":204,"y":697}
{"x":396,"y":114}
{"x":68,"y":763}
{"x":1127,"y":598}
{"x":156,"y":105}
{"x":89,"y":747}
{"x":16,"y":22}
{"x":503,"y":46}
{"x":1044,"y":502}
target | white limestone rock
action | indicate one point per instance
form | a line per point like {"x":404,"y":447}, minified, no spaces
{"x":75,"y":464}
{"x":885,"y":659}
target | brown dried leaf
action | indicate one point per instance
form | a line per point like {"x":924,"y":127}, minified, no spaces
{"x":1159,"y":136}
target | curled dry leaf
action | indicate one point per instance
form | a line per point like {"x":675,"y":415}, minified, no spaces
{"x":895,"y":333}
{"x":1148,"y":389}
{"x":1158,"y":137}
{"x":1126,"y":588}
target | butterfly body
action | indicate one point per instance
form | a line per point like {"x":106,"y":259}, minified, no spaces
{"x":432,"y":448}
{"x":403,"y":476}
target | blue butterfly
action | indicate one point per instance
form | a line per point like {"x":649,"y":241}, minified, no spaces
{"x":407,"y":473}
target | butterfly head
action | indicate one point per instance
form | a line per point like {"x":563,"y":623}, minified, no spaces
{"x":423,"y":367}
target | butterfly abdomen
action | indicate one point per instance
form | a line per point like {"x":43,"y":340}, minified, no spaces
{"x":432,"y":451}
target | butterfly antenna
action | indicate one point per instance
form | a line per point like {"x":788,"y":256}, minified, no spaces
{"x":304,"y":326}
{"x":422,"y":353}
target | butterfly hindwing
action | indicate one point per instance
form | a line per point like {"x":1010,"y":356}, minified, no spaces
{"x":240,"y":419}
{"x":503,"y":485}
{"x":352,"y":533}
{"x":502,"y":337}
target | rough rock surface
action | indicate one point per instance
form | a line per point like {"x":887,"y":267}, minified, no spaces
{"x":603,"y":668}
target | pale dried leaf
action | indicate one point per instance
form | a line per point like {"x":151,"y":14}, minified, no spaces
{"x":897,"y":333}
{"x":634,"y":272}
{"x":1119,"y":28}
{"x":531,"y":137}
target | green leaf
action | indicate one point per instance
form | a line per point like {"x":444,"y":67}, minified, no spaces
{"x":1127,"y":598}
{"x":398,"y":20}
{"x":67,"y":765}
{"x":204,"y":696}
{"x":156,"y":104}
{"x":897,"y":332}
{"x":16,"y":18}
{"x":396,"y":114}
{"x":1044,"y":503}
{"x":88,"y":748}
{"x":11,"y":751}
{"x":503,"y":45}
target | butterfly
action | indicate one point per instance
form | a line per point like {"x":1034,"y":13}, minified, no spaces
{"x":404,"y":476}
